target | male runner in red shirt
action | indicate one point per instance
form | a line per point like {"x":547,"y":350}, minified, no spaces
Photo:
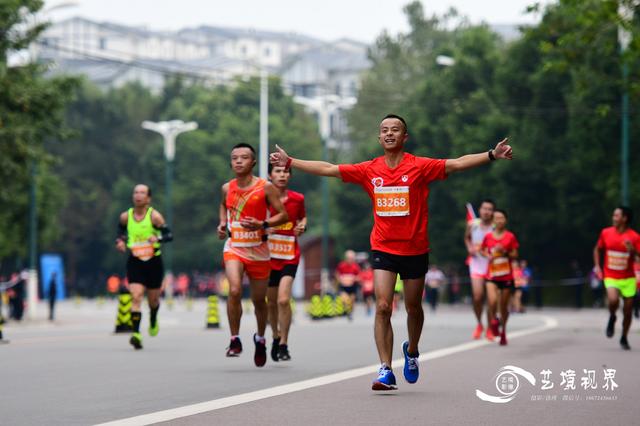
{"x":398,"y":185}
{"x":285,"y":257}
{"x":243,"y":217}
{"x":620,"y":246}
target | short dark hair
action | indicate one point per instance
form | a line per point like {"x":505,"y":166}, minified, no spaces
{"x":626,"y":212}
{"x":245,"y":145}
{"x":488,"y":200}
{"x":397,"y":117}
{"x":506,"y":216}
{"x":144,"y":184}
{"x":271,"y":166}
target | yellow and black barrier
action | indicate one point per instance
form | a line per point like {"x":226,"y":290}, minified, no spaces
{"x":315,"y":308}
{"x":123,"y":320}
{"x":328,"y":307}
{"x":213,"y":319}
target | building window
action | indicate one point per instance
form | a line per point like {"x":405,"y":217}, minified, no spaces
{"x":102,"y":43}
{"x":267,"y":52}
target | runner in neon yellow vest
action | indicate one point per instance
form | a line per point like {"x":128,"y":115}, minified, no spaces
{"x":141,"y":230}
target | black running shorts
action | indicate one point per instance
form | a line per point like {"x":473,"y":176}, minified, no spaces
{"x":149,"y":273}
{"x":349,"y":289}
{"x":276,"y":275}
{"x":502,"y":284}
{"x":409,"y":267}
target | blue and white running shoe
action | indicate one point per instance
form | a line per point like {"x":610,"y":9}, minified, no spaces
{"x":411,"y":371}
{"x":385,"y":381}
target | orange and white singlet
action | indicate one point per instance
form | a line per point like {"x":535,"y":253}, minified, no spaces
{"x":246,"y":202}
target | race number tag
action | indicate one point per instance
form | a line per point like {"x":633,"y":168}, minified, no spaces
{"x":499,"y":267}
{"x":617,"y":260}
{"x":391,"y":200}
{"x":143,"y":250}
{"x":243,"y":237}
{"x":282,"y":246}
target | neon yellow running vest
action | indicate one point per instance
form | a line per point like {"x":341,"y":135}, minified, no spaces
{"x":139,"y":234}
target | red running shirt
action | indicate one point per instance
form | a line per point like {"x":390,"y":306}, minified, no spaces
{"x":283,"y":244}
{"x":499,"y":262}
{"x":618,"y":262}
{"x":400,"y":200}
{"x":348,"y":273}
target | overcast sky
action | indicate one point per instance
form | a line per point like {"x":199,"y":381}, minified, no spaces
{"x":325,"y":19}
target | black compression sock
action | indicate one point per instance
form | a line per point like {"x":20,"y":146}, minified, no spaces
{"x":154,"y":315}
{"x":135,"y":319}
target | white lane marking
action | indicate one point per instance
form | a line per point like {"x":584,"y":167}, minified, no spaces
{"x":217,"y":404}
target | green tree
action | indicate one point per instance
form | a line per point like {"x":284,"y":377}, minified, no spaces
{"x":31,"y":113}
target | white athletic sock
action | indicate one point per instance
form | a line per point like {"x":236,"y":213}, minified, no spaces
{"x":237,"y":336}
{"x":259,"y":338}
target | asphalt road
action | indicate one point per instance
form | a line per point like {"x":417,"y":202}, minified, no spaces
{"x":75,"y":371}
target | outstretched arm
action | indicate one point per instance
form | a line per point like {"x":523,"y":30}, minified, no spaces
{"x":320,"y":168}
{"x":502,"y":151}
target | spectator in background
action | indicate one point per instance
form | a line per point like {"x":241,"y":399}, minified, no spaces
{"x":596,"y":288}
{"x":434,"y":279}
{"x":53,"y":294}
{"x":17,"y":293}
{"x":518,"y":279}
{"x":113,"y":285}
{"x":366,"y":280}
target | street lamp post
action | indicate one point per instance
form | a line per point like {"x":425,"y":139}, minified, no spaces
{"x":169,"y":131}
{"x":324,"y":106}
{"x":264,"y":125}
{"x":624,"y":38}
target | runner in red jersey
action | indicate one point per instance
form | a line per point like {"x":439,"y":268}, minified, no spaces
{"x":501,"y":247}
{"x":398,"y":185}
{"x":243,"y":217}
{"x":285,"y":257}
{"x":620,"y":245}
{"x":366,"y":280}
{"x":348,"y":276}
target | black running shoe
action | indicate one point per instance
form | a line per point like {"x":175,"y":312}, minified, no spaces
{"x":624,"y":343}
{"x":283,"y":353}
{"x":274,"y":349}
{"x":235,"y":347}
{"x":611,"y":326}
{"x":260,"y":356}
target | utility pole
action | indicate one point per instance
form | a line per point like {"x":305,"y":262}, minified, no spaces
{"x":169,"y":131}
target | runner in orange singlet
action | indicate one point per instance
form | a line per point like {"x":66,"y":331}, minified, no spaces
{"x":243,"y":217}
{"x":501,"y":247}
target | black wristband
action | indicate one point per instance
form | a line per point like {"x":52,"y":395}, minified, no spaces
{"x":265,"y":224}
{"x":491,"y":156}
